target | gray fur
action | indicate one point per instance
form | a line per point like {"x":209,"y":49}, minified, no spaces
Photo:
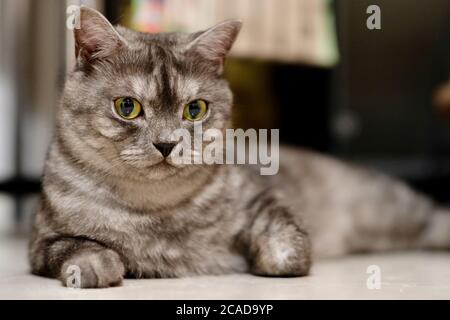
{"x":111,"y":205}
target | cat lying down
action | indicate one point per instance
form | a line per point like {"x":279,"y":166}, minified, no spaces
{"x":114,"y":205}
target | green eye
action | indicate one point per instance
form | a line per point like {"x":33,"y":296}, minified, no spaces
{"x":195,"y":110}
{"x":128,"y":108}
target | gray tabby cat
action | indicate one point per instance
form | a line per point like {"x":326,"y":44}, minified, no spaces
{"x":114,"y":204}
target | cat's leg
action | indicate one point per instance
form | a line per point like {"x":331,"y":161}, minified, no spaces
{"x":391,"y":216}
{"x":277,"y":244}
{"x":402,"y":229}
{"x":58,"y":257}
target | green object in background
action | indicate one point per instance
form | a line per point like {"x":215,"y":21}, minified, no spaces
{"x":327,"y":49}
{"x":147,"y":15}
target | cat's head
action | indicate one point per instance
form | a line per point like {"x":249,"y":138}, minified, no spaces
{"x":130,"y":90}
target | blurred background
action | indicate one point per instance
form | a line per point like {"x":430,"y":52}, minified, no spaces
{"x":308,"y":67}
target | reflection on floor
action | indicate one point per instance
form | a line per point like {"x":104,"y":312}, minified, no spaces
{"x":6,"y":213}
{"x":412,"y":275}
{"x":16,"y":214}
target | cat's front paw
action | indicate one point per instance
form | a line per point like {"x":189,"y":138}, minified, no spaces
{"x":93,"y":269}
{"x":279,"y":257}
{"x":278,"y":246}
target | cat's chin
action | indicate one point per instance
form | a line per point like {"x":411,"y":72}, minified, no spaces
{"x":160,"y":170}
{"x":149,"y":164}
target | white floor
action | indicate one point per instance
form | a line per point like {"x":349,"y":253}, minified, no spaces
{"x":412,"y":275}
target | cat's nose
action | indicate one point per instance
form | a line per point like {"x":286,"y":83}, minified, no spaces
{"x":164,"y":148}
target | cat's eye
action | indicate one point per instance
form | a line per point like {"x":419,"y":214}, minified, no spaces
{"x":128,"y":108}
{"x":195,"y":110}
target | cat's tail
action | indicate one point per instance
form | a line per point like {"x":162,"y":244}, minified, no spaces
{"x":436,"y":233}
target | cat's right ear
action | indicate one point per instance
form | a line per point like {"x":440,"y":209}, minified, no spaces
{"x":213,"y":44}
{"x":95,"y":37}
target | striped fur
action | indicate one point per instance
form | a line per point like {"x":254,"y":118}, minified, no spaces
{"x":112,"y":207}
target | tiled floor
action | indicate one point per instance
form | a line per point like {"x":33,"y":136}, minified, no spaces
{"x":412,"y":275}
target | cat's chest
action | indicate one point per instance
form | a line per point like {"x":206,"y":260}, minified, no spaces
{"x":188,"y":252}
{"x":184,"y":242}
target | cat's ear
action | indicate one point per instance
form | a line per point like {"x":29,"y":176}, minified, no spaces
{"x":95,"y":38}
{"x":214,"y":44}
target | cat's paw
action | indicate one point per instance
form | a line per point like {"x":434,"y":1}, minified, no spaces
{"x":282,"y":250}
{"x":281,"y":259}
{"x":93,"y":269}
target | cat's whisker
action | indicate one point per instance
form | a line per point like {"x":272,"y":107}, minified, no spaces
{"x":132,"y":152}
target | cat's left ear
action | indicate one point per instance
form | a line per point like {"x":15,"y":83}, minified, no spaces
{"x":214,"y":44}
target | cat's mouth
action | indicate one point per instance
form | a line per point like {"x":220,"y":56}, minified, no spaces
{"x":162,"y":164}
{"x":151,"y":161}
